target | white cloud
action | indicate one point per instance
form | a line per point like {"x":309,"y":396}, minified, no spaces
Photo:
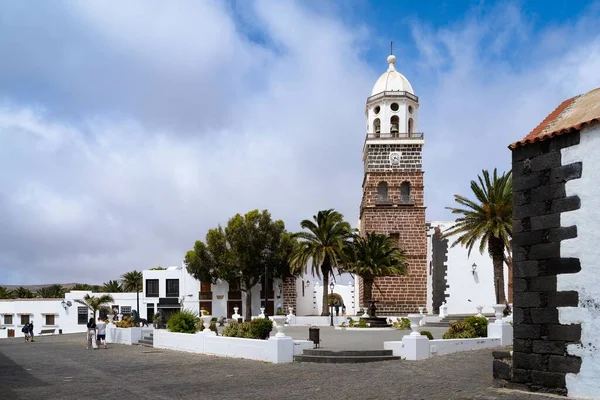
{"x":139,"y":133}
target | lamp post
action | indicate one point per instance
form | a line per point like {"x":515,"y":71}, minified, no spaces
{"x":474,"y":267}
{"x":331,"y":286}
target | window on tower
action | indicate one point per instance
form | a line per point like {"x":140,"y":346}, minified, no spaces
{"x":410,"y":125}
{"x":395,"y":124}
{"x":382,"y":193}
{"x":377,"y":127}
{"x":405,"y":193}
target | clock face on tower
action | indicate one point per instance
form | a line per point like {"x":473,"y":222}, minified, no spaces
{"x":395,"y":157}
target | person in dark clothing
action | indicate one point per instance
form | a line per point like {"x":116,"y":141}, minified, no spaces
{"x":91,"y":333}
{"x":30,"y":328}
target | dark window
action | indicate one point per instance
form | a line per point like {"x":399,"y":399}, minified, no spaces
{"x":382,"y":193}
{"x":8,"y":320}
{"x":405,"y":193}
{"x":49,"y":319}
{"x":151,"y":287}
{"x":24,"y":319}
{"x":172,"y":287}
{"x":205,"y":291}
{"x":126,"y":310}
{"x":82,"y":315}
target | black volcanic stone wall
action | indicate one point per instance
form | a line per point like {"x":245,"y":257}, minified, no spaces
{"x":540,"y":361}
{"x":439,"y":258}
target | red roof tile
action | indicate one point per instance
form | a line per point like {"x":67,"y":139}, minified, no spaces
{"x":570,"y":116}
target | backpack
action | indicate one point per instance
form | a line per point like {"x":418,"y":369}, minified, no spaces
{"x":25,"y":329}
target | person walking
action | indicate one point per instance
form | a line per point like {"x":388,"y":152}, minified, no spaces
{"x":25,"y":330}
{"x":30,"y":326}
{"x":101,"y":329}
{"x":91,"y":333}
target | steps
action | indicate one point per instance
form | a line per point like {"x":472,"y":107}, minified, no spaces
{"x":345,"y":356}
{"x":147,"y":340}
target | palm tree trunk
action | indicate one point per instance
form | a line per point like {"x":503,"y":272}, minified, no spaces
{"x":509,"y":264}
{"x":367,"y":291}
{"x":496,"y":249}
{"x":325,"y":270}
{"x":248,"y":313}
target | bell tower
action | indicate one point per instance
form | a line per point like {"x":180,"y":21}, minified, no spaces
{"x":392,"y":201}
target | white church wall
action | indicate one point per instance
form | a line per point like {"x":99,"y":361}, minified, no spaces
{"x":587,"y":281}
{"x":466,"y":290}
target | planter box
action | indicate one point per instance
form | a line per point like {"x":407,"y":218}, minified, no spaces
{"x":275,"y":350}
{"x":127,"y":336}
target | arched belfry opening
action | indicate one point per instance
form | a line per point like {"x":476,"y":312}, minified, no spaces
{"x":405,"y":193}
{"x":377,"y":127}
{"x":394,"y":125}
{"x":410,"y":125}
{"x":382,"y":192}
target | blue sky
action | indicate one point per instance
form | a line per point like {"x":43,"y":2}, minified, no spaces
{"x":128,"y":129}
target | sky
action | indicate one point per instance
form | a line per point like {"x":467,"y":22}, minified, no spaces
{"x":128,"y":129}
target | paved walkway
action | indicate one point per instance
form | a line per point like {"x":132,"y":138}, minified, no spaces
{"x":60,"y":367}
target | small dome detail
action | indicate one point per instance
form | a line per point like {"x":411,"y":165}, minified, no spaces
{"x":392,"y":80}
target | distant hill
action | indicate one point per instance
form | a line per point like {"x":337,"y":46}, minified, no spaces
{"x":33,"y":288}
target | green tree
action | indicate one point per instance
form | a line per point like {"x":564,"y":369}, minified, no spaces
{"x":373,"y":256}
{"x":5,"y":293}
{"x":112,"y":286}
{"x":51,"y":292}
{"x":249,"y":247}
{"x":94,"y":303}
{"x":159,"y":268}
{"x":487,"y":220}
{"x":132,"y":282}
{"x":82,"y":286}
{"x":23,"y":293}
{"x":323,"y":244}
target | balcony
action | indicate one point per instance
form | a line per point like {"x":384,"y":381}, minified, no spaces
{"x":396,"y":135}
{"x":384,"y":201}
{"x":403,"y":200}
{"x":392,"y":94}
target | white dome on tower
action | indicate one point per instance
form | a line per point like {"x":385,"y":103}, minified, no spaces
{"x":392,"y":80}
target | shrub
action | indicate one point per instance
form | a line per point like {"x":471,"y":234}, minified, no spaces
{"x":362,"y":323}
{"x":402,"y":324}
{"x":184,"y":321}
{"x":480,"y":325}
{"x":460,"y":330}
{"x":126,"y":322}
{"x":258,"y":328}
{"x":351,"y":323}
{"x":428,"y":334}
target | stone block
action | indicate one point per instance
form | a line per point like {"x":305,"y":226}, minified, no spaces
{"x":563,"y":299}
{"x":543,"y":283}
{"x":530,"y":210}
{"x":524,"y":269}
{"x":547,"y":192}
{"x":519,"y":253}
{"x":544,"y":251}
{"x":501,"y":370}
{"x":545,"y":222}
{"x":562,"y":266}
{"x":545,"y":161}
{"x":566,"y":173}
{"x":567,"y":333}
{"x":548,"y":379}
{"x":526,"y":331}
{"x":565,"y":204}
{"x":549,"y":347}
{"x":518,"y":315}
{"x":544,"y":315}
{"x":562,"y":233}
{"x":521,"y":197}
{"x":560,"y":142}
{"x":520,"y":375}
{"x":528,"y":238}
{"x":565,"y":364}
{"x":523,"y":182}
{"x":528,"y":361}
{"x":527,"y":151}
{"x":519,"y":284}
{"x":526,"y":299}
{"x":522,"y":345}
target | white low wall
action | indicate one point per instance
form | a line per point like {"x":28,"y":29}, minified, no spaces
{"x":127,"y":336}
{"x":275,"y":349}
{"x":440,"y":347}
{"x":301,"y":345}
{"x":318,"y":321}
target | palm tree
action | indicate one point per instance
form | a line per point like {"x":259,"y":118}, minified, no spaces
{"x":374,"y":256}
{"x":5,"y":293}
{"x":324,"y":244}
{"x":112,"y":287}
{"x":23,"y":293}
{"x":95,"y":303}
{"x":82,"y":286}
{"x":487,"y":220}
{"x":51,"y":292}
{"x":132,"y":281}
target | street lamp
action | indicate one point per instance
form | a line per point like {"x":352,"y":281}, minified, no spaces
{"x":474,"y":267}
{"x":331,"y":286}
{"x":265,"y":253}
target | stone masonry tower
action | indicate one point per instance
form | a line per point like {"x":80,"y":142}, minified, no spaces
{"x":392,"y":201}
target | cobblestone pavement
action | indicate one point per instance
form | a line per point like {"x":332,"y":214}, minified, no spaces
{"x":60,"y":367}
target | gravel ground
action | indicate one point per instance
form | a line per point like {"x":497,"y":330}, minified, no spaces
{"x":60,"y":367}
